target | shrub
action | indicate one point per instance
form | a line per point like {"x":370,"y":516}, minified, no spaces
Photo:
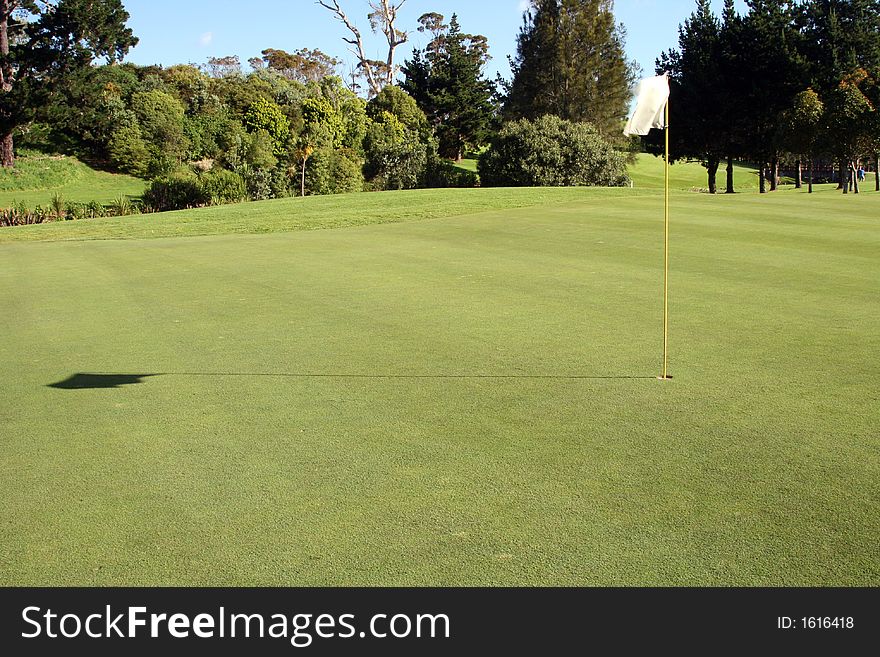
{"x":178,"y":191}
{"x":222,"y":186}
{"x":160,"y":116}
{"x":550,"y":152}
{"x":76,"y":211}
{"x":334,"y":172}
{"x":400,"y":166}
{"x":94,"y":209}
{"x":121,"y":206}
{"x":128,"y":150}
{"x":258,"y":183}
{"x":58,"y":205}
{"x":20,"y":215}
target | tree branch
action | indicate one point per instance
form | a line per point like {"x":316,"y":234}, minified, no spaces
{"x":358,"y":41}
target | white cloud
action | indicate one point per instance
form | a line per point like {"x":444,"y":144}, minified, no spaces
{"x":206,"y":39}
{"x":524,"y":5}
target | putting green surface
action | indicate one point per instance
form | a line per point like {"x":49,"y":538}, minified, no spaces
{"x":462,"y":400}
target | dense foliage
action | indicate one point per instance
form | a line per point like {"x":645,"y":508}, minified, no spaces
{"x":785,"y":82}
{"x":448,"y":84}
{"x":570,"y":62}
{"x":551,"y":152}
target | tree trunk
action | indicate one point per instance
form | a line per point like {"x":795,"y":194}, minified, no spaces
{"x":7,"y":148}
{"x":762,"y":179}
{"x":7,"y":151}
{"x":712,"y":170}
{"x":799,"y":175}
{"x":303,"y":179}
{"x":730,"y":189}
{"x":774,"y":172}
{"x":811,"y":176}
{"x":841,"y":177}
{"x":854,"y":177}
{"x":877,"y":172}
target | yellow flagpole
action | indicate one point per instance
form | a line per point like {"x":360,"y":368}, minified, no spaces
{"x":666,"y":258}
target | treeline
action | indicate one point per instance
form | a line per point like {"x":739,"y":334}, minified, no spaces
{"x":215,"y":134}
{"x":218,"y":138}
{"x":791,"y":82}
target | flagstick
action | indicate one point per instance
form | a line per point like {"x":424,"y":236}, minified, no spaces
{"x":666,"y":258}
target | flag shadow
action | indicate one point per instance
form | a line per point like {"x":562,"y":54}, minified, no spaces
{"x":96,"y":381}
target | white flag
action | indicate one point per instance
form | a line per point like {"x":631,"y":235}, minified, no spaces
{"x":652,"y":94}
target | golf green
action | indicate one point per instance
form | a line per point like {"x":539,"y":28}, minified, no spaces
{"x":461,"y":400}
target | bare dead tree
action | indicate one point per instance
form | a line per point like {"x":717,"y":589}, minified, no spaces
{"x":383,"y":18}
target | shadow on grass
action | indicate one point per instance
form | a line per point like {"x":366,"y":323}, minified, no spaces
{"x":85,"y":381}
{"x":91,"y":381}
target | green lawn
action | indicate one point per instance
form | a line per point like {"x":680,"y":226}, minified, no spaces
{"x":36,"y":179}
{"x":467,"y":399}
{"x":313,"y":213}
{"x":649,"y":172}
{"x":468,"y":164}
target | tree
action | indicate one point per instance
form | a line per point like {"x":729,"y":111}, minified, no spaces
{"x":842,"y":41}
{"x":799,"y":128}
{"x":304,"y":65}
{"x":266,"y":115}
{"x":448,"y":84}
{"x":848,"y":114}
{"x":223,"y":67}
{"x":698,"y":131}
{"x":401,"y":105}
{"x":41,"y":42}
{"x":772,"y":54}
{"x":570,"y":62}
{"x":383,"y":18}
{"x":160,"y":117}
{"x":322,"y":128}
{"x":733,"y":86}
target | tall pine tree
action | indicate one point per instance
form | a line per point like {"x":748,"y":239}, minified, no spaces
{"x":697,"y":127}
{"x":570,"y":62}
{"x":448,"y":84}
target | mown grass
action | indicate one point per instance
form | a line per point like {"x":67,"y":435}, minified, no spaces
{"x":468,"y":164}
{"x":313,"y":213}
{"x":35,"y":179}
{"x":467,"y":399}
{"x":649,"y":172}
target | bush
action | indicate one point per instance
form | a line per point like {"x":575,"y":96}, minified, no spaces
{"x":20,"y":215}
{"x":121,"y":206}
{"x":77,"y":211}
{"x":334,"y":172}
{"x":222,"y":186}
{"x":128,"y":150}
{"x":399,"y":166}
{"x":94,"y":209}
{"x":551,"y":152}
{"x":175,"y":192}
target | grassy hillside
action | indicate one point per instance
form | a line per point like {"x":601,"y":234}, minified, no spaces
{"x":463,"y":400}
{"x":36,"y":179}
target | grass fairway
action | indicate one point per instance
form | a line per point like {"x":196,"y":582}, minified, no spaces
{"x":460,"y":400}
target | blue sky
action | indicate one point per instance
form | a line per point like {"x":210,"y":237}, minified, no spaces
{"x":191,"y":31}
